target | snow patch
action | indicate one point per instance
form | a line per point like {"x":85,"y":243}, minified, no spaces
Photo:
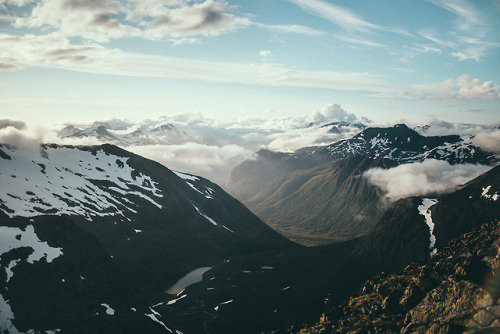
{"x":223,"y":303}
{"x":6,"y":318}
{"x":227,"y":228}
{"x":153,"y":317}
{"x":485,"y":194}
{"x":425,"y":211}
{"x":208,"y":192}
{"x":14,"y":237}
{"x":186,"y":176}
{"x":71,"y":181}
{"x":109,"y":310}
{"x":205,"y":216}
{"x":173,"y":301}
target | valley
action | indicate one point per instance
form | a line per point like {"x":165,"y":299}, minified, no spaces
{"x":249,"y":167}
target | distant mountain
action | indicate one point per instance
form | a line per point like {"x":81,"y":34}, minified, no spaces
{"x":148,"y":134}
{"x":339,"y":127}
{"x":317,"y":195}
{"x":263,"y":292}
{"x":91,"y":237}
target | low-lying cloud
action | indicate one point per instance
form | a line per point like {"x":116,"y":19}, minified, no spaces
{"x":209,"y":161}
{"x":488,"y":141}
{"x":427,"y":178}
{"x":4,"y":123}
{"x":211,"y":147}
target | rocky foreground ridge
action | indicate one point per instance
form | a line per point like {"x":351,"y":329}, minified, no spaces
{"x":456,"y":291}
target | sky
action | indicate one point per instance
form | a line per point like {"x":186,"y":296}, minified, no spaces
{"x":67,"y":61}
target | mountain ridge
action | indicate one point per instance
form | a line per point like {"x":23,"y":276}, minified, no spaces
{"x":311,"y":194}
{"x":148,"y":226}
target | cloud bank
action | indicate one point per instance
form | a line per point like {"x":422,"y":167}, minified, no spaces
{"x":427,"y":178}
{"x":212,"y":147}
{"x":488,"y":141}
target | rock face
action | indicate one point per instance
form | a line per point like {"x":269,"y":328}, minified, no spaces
{"x":456,"y":291}
{"x":318,"y":195}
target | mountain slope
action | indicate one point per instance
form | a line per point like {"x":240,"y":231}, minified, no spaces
{"x":262,"y":292}
{"x":455,"y":292}
{"x":101,"y":225}
{"x":318,"y":195}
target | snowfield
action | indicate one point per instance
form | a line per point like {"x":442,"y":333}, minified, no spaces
{"x":70,"y":181}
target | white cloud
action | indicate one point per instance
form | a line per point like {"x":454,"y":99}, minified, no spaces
{"x":17,"y":138}
{"x":427,"y":178}
{"x":18,"y":3}
{"x":452,"y":90}
{"x":488,"y":141}
{"x":474,"y":51}
{"x":92,"y":20}
{"x":56,"y":51}
{"x":48,"y":50}
{"x":221,"y":144}
{"x":212,"y":162}
{"x":265,"y":53}
{"x":333,"y":112}
{"x":463,"y":9}
{"x":294,"y":139}
{"x":358,"y":41}
{"x":336,"y":14}
{"x":292,"y":29}
{"x":469,"y":39}
{"x":4,"y":123}
{"x":209,"y":18}
{"x":103,"y":21}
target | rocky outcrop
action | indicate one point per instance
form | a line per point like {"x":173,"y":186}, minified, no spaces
{"x":456,"y":291}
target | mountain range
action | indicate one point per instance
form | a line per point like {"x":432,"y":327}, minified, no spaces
{"x":98,"y":239}
{"x":163,"y":133}
{"x":319,"y":195}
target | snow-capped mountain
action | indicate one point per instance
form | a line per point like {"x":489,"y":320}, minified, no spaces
{"x":339,"y":127}
{"x":318,"y":194}
{"x":146,"y":134}
{"x":91,"y":236}
{"x":400,"y":144}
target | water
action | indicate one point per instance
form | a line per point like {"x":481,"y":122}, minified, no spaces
{"x":194,"y":276}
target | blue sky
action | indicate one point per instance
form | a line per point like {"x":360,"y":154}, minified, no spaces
{"x":83,"y":60}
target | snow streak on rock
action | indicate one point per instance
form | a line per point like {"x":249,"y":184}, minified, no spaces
{"x":425,"y":211}
{"x":190,"y":179}
{"x":205,"y":216}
